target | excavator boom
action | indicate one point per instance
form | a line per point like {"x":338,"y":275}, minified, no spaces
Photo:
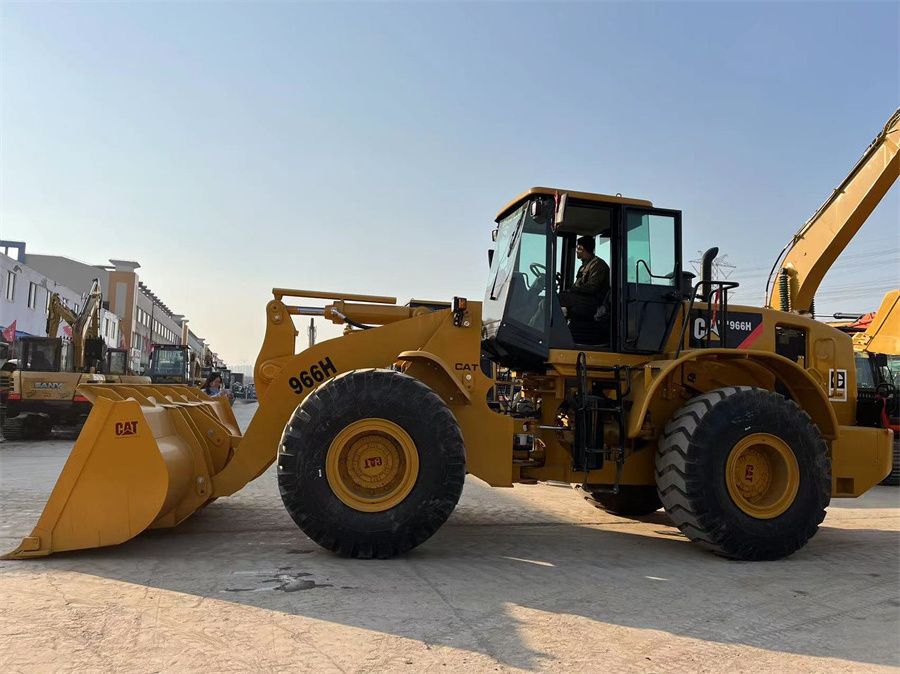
{"x":803,"y":263}
{"x":85,"y":324}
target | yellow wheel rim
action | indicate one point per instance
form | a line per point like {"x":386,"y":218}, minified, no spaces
{"x":762,"y":475}
{"x":372,"y":465}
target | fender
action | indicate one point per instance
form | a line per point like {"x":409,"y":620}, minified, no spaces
{"x":447,"y":386}
{"x":804,"y":389}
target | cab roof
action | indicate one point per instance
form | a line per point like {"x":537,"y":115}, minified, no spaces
{"x":586,"y":196}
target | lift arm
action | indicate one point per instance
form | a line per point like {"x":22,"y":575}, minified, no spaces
{"x":803,"y":263}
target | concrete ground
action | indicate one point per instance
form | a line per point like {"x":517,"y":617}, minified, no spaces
{"x":526,"y":579}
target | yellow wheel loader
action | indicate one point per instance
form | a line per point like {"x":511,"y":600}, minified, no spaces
{"x":740,"y":421}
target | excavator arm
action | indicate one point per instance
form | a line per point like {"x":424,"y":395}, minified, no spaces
{"x":803,"y":263}
{"x":85,"y":324}
{"x":57,"y":312}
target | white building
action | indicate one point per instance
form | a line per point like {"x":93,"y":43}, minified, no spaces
{"x":25,"y":299}
{"x":133,"y":318}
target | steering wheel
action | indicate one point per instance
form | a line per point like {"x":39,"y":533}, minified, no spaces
{"x":539,"y":271}
{"x":887,"y":388}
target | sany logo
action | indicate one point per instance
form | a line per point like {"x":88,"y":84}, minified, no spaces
{"x":51,"y":385}
{"x":126,"y":428}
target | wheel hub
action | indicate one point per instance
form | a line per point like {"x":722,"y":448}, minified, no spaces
{"x":372,"y":465}
{"x":762,"y":475}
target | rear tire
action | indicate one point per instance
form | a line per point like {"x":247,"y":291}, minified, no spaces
{"x":893,"y":479}
{"x":631,"y":501}
{"x":322,"y":464}
{"x":744,"y":472}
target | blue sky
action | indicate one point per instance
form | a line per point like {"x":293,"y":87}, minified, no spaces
{"x":230,"y":148}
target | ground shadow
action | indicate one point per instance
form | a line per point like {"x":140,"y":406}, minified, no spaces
{"x":483,"y":562}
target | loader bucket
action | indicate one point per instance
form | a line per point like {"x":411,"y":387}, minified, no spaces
{"x":145,"y":458}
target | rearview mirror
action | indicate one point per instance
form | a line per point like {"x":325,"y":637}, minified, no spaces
{"x":537,"y":211}
{"x":494,"y":235}
{"x":560,"y":211}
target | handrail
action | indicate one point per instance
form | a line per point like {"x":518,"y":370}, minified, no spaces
{"x":724,"y":287}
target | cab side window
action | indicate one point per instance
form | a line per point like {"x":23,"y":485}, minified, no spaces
{"x":651,"y":249}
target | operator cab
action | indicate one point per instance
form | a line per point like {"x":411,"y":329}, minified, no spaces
{"x":40,"y":354}
{"x":116,"y":361}
{"x":528,"y":307}
{"x":169,"y":364}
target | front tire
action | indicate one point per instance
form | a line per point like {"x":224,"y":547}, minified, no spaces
{"x":744,"y":472}
{"x":371,"y":464}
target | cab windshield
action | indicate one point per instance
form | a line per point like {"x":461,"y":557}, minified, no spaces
{"x":40,"y":356}
{"x":117,"y":362}
{"x":520,"y":262}
{"x":168,"y":361}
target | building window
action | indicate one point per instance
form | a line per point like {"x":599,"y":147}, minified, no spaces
{"x":10,"y":286}
{"x":32,"y":295}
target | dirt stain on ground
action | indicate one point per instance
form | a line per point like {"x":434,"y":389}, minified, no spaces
{"x":284,"y":582}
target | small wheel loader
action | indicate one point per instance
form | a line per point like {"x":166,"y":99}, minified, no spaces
{"x":741,"y":422}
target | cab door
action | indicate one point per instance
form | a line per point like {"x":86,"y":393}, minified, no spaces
{"x":650,"y":277}
{"x":516,"y":310}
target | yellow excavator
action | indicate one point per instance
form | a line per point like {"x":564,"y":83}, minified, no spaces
{"x":44,"y":389}
{"x":741,"y":422}
{"x":43,"y":386}
{"x":90,"y":353}
{"x":804,"y":262}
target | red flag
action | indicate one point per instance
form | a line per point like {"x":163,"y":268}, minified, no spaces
{"x":122,"y":341}
{"x":10,"y":333}
{"x":67,"y":331}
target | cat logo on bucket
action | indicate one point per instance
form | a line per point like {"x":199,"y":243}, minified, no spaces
{"x":124,"y":428}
